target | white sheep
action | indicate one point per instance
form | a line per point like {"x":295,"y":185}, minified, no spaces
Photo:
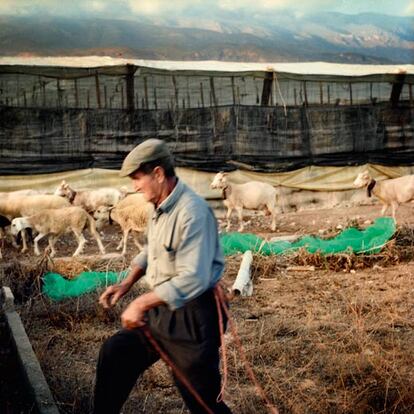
{"x":17,"y":205}
{"x":90,"y":200}
{"x":133,"y":217}
{"x":391,"y":192}
{"x":55,"y":222}
{"x":253,"y":195}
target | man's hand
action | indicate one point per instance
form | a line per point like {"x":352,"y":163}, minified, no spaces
{"x":134,"y":315}
{"x":112,"y":294}
{"x":115,"y":292}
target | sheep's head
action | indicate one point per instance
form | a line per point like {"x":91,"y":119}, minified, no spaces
{"x":64,"y":190}
{"x":362,"y":180}
{"x":219,"y":180}
{"x":18,"y":224}
{"x":102,"y":213}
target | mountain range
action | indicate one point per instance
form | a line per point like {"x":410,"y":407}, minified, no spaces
{"x":282,"y":37}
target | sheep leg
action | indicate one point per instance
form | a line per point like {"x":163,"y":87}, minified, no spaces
{"x":24,"y":242}
{"x":52,"y":241}
{"x":240,"y":215}
{"x":228,"y":215}
{"x":121,"y":243}
{"x":384,"y":209}
{"x":81,"y":243}
{"x":136,"y":241}
{"x":98,"y":239}
{"x":394,"y":207}
{"x":36,"y":241}
{"x":125,"y":241}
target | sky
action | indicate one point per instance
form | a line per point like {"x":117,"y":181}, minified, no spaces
{"x":130,"y":9}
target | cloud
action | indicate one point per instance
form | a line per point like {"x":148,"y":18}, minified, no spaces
{"x":409,"y":11}
{"x":302,"y":5}
{"x":155,"y":7}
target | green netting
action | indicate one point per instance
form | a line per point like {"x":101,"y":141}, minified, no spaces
{"x":350,"y":240}
{"x":58,"y":288}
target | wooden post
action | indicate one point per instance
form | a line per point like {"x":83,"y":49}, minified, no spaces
{"x":321,"y":92}
{"x":122,"y":97}
{"x":410,"y":93}
{"x":305,"y":93}
{"x":155,"y":98}
{"x":257,"y":91}
{"x":24,"y":99}
{"x":267,"y":88}
{"x":329,"y":94}
{"x":59,"y":103}
{"x":106,"y":96}
{"x":130,"y":87}
{"x":213,"y":91}
{"x":202,"y":94}
{"x":146,"y":93}
{"x":350,"y":93}
{"x":396,"y":90}
{"x":43,"y":93}
{"x":188,"y":95}
{"x":87,"y":100}
{"x":98,"y":91}
{"x":233,"y":91}
{"x":370,"y":92}
{"x":238,"y":95}
{"x":76,"y":94}
{"x":137,"y":100}
{"x":176,"y":101}
{"x":183,"y":100}
{"x":34,"y":95}
{"x":295,"y":96}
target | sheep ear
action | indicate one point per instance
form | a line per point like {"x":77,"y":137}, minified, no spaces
{"x":66,"y":186}
{"x":63,"y":182}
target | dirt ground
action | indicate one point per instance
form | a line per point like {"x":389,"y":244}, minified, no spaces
{"x":322,"y":341}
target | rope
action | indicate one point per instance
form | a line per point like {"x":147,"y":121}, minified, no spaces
{"x":221,"y":303}
{"x":272,"y":409}
{"x":180,"y":376}
{"x":223,"y":345}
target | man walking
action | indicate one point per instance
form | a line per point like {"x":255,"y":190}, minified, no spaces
{"x":182,"y":263}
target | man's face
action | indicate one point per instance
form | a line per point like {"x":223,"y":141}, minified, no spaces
{"x":148,"y":184}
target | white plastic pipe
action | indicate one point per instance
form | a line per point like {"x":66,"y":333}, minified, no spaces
{"x":243,"y":284}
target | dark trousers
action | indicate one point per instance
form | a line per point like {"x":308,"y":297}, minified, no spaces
{"x":189,"y":336}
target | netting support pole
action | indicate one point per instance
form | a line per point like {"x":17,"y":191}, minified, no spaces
{"x":267,"y":88}
{"x":321,"y":92}
{"x":202,"y":94}
{"x":396,"y":90}
{"x":130,"y":87}
{"x":233,"y":90}
{"x":305,"y":93}
{"x":76,"y":93}
{"x":213,"y":92}
{"x":410,"y":94}
{"x":146,"y":93}
{"x":98,"y":91}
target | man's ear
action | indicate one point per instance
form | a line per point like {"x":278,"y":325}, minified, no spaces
{"x":159,"y":173}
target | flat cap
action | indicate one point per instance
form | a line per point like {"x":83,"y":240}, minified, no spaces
{"x":149,"y":150}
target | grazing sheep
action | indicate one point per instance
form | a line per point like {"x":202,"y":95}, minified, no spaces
{"x":253,"y":195}
{"x":90,"y":200}
{"x":55,"y":222}
{"x":133,"y":217}
{"x":390,"y":192}
{"x":17,"y":205}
